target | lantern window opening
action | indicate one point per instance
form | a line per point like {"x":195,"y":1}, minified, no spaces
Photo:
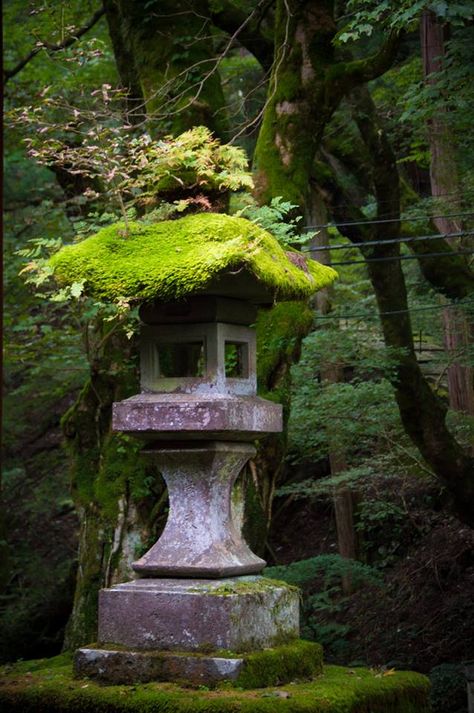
{"x":236,"y":355}
{"x":181,"y":359}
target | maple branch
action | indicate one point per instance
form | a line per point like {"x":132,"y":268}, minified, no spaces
{"x":9,"y":73}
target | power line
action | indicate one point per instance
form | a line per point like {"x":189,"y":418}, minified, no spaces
{"x":389,"y":220}
{"x":364,"y":315}
{"x":463,"y":197}
{"x":402,"y":257}
{"x":407,"y":239}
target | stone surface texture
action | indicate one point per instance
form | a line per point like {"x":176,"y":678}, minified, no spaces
{"x":213,"y":337}
{"x":282,"y":664}
{"x":238,"y":614}
{"x":137,"y":666}
{"x":200,"y":538}
{"x":210,"y":416}
{"x":199,"y":412}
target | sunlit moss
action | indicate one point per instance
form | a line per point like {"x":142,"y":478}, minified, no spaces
{"x":172,"y":259}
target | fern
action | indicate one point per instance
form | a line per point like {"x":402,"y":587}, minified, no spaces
{"x":331,"y":567}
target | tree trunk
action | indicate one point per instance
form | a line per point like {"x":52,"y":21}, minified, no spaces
{"x":172,"y":54}
{"x":110,"y":484}
{"x":445,"y":185}
{"x":444,"y":175}
{"x":280,"y":332}
{"x":333,"y":373}
{"x":305,"y":88}
{"x":458,"y":339}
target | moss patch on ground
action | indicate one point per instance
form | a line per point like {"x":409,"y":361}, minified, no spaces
{"x":172,"y":259}
{"x":47,"y":686}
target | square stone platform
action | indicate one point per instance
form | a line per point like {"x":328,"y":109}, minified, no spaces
{"x":196,"y":630}
{"x":237,"y":614}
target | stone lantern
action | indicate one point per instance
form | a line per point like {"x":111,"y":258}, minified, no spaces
{"x":198,"y":608}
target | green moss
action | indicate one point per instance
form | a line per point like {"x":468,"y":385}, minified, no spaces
{"x":48,"y":687}
{"x":172,"y":259}
{"x":298,"y":660}
{"x":279,"y":334}
{"x":249,"y":586}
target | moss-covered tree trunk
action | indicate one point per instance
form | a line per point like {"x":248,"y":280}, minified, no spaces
{"x":280,"y":332}
{"x":305,"y":88}
{"x":306,"y":85}
{"x":113,"y":487}
{"x":166,"y":56}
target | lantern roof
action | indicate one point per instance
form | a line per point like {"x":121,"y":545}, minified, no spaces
{"x":205,"y":253}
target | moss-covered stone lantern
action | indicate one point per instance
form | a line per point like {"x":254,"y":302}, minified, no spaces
{"x":197,"y":595}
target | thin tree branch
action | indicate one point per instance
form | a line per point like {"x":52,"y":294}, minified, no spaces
{"x":344,"y":76}
{"x":229,"y":18}
{"x":9,"y":73}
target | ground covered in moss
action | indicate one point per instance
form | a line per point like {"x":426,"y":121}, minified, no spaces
{"x":47,"y":686}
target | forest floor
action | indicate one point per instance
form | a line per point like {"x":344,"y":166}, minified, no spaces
{"x":422,"y":615}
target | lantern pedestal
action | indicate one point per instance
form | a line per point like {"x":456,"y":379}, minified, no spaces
{"x":195,"y":612}
{"x":200,"y":538}
{"x":194,"y":629}
{"x":236,"y":614}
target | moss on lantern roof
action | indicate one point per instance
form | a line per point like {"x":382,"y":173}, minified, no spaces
{"x":175,"y":258}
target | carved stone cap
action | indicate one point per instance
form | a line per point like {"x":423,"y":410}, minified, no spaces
{"x":193,"y":417}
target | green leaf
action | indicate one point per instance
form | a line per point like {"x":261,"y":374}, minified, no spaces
{"x":77,"y":288}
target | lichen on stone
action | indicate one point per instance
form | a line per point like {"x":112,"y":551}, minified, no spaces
{"x":173,"y":259}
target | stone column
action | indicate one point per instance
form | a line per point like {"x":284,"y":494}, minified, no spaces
{"x":200,"y":538}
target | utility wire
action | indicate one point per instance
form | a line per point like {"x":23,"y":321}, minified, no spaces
{"x":462,"y":197}
{"x":390,"y":220}
{"x":364,"y":315}
{"x":408,"y":239}
{"x":402,"y":257}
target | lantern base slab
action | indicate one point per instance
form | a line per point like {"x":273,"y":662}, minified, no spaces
{"x":237,"y":614}
{"x":297,"y":660}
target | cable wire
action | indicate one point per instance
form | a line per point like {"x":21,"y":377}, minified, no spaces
{"x":390,"y":220}
{"x":407,"y":239}
{"x":364,"y":315}
{"x":402,"y":257}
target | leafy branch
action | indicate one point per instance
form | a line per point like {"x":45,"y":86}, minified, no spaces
{"x":51,"y":48}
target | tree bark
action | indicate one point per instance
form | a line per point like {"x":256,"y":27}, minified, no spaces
{"x":168,"y":48}
{"x":445,"y":185}
{"x":125,"y":61}
{"x":280,"y":332}
{"x":306,"y":86}
{"x":332,"y":373}
{"x":108,"y":486}
{"x":444,"y":175}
